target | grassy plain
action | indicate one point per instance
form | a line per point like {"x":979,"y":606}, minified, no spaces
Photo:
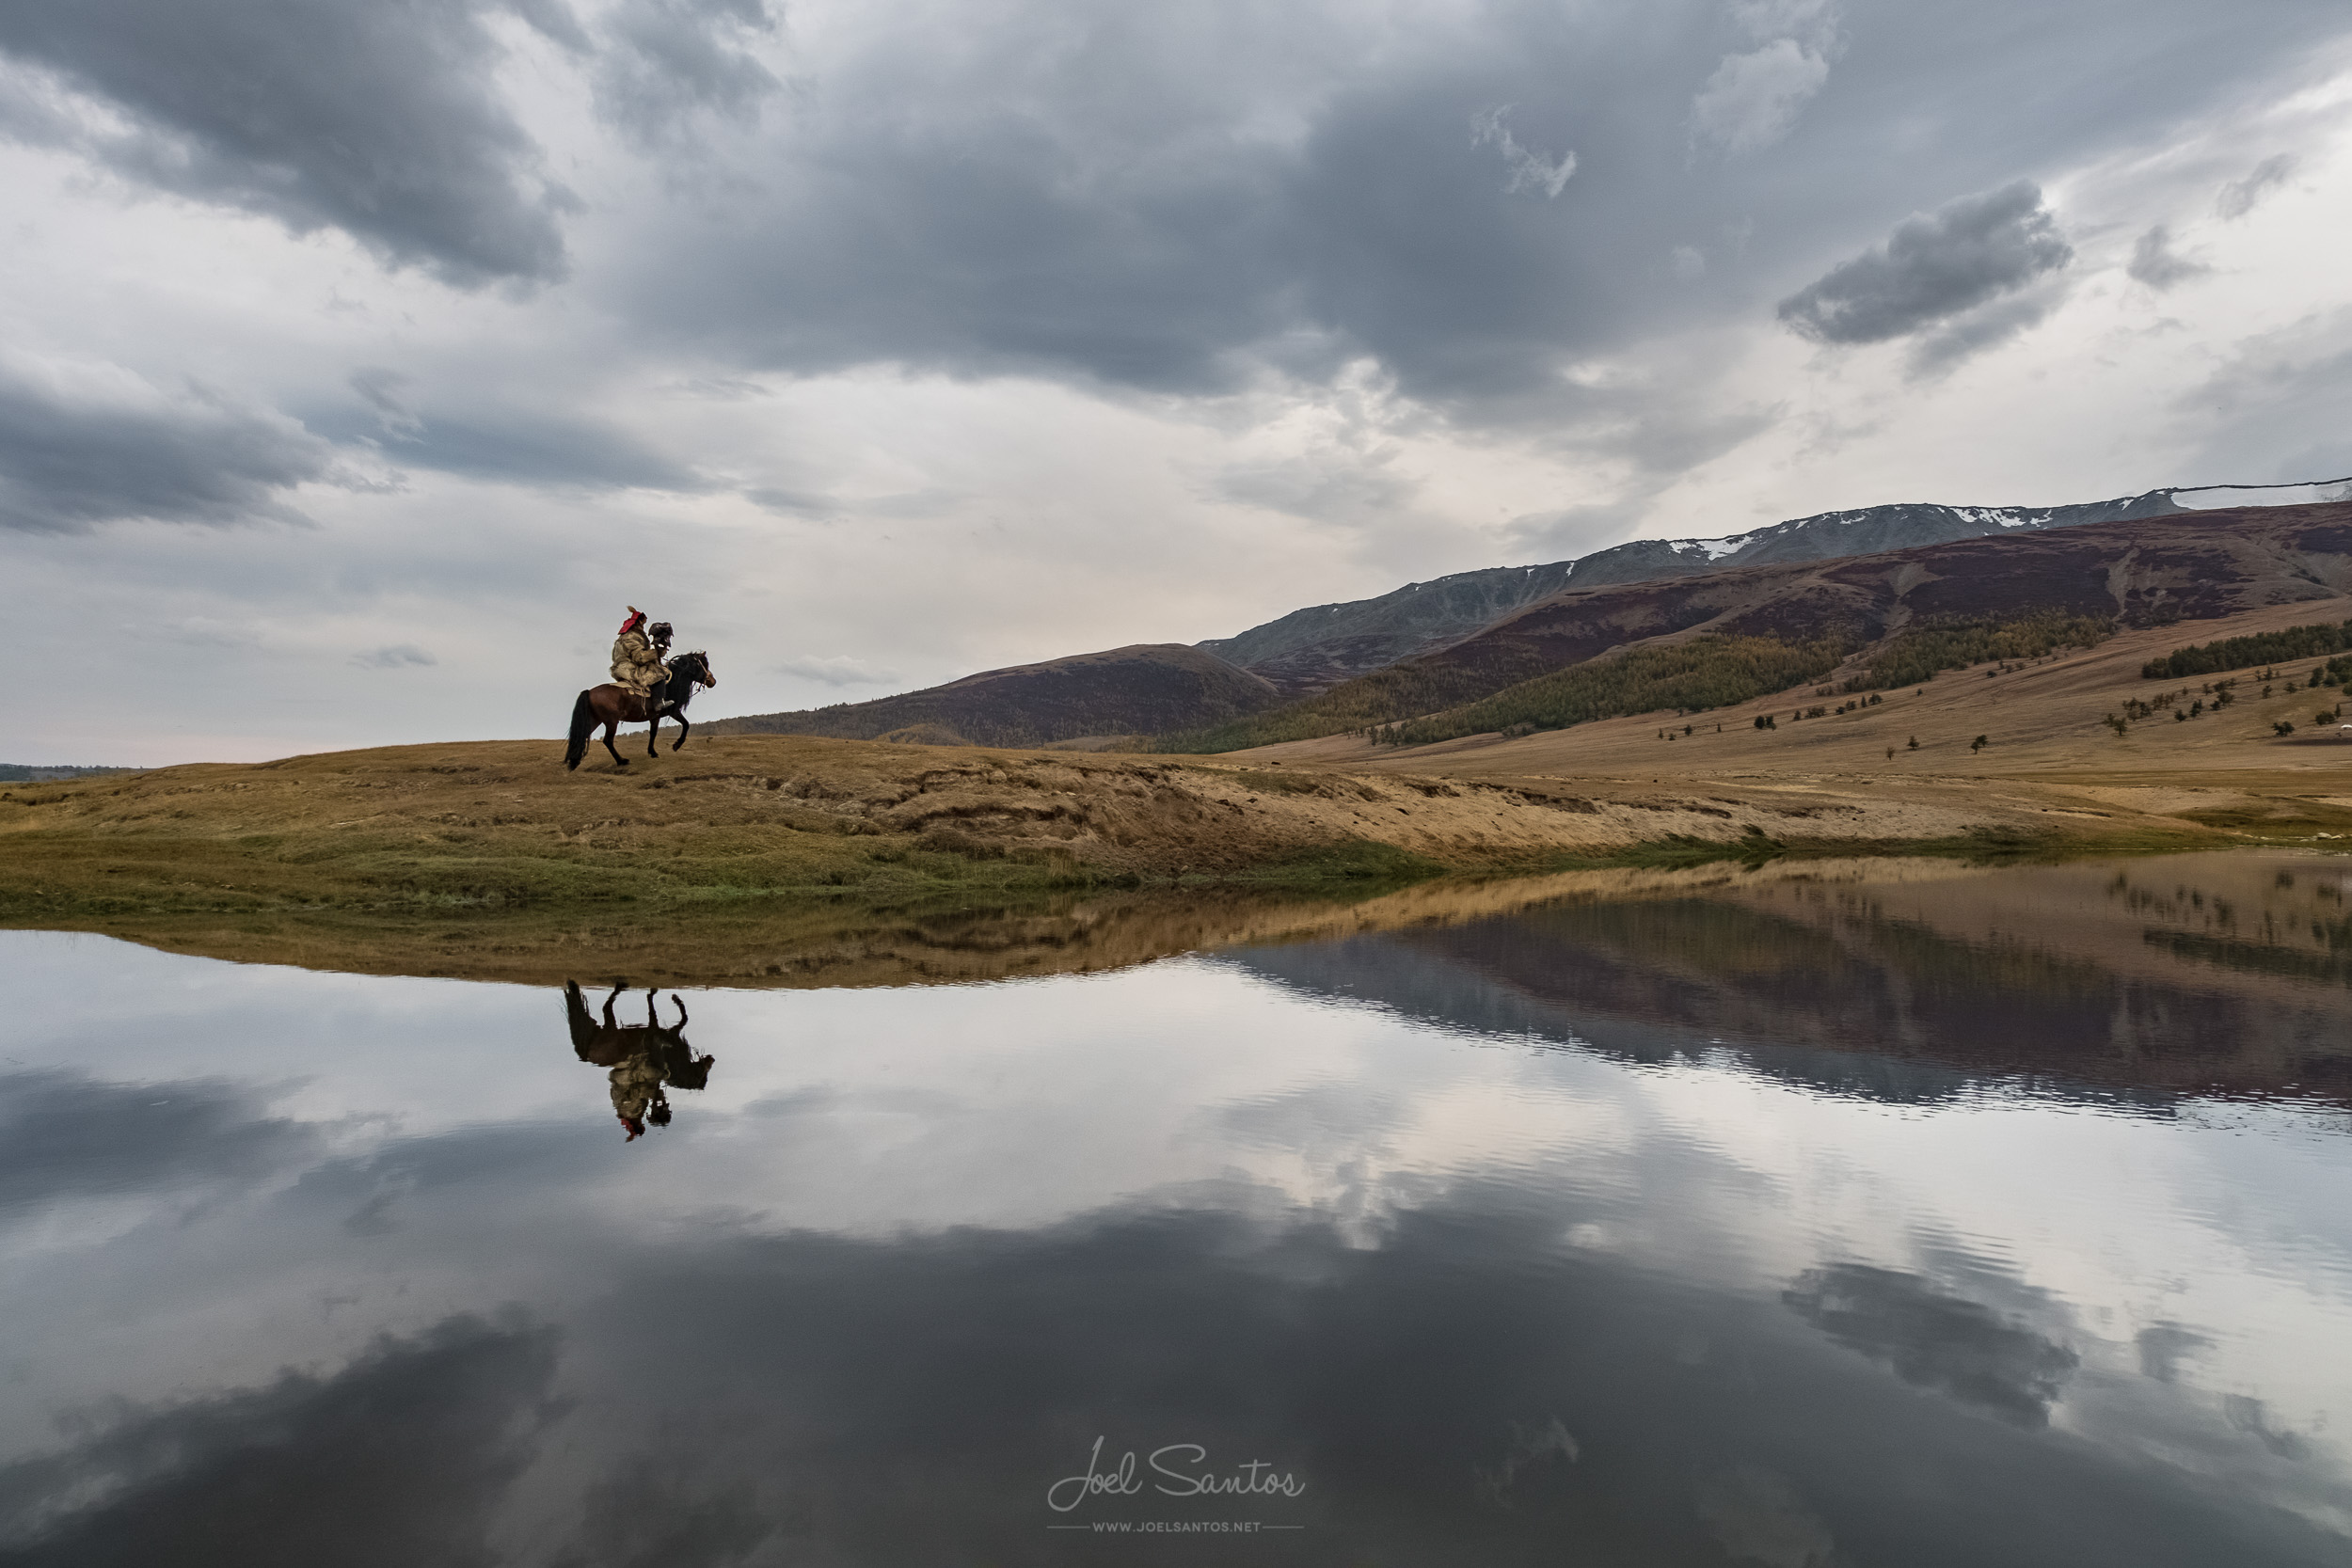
{"x":763,"y":857}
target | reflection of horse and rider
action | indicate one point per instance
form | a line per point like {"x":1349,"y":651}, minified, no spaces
{"x":646,"y":684}
{"x":644,"y":1057}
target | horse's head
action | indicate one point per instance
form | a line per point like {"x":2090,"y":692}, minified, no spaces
{"x":694,"y":666}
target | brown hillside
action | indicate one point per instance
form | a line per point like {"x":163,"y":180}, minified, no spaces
{"x":2144,"y":572}
{"x":1142,"y":688}
{"x":2044,"y":725}
{"x":2186,"y":567}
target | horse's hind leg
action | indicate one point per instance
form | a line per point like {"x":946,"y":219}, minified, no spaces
{"x":610,"y":726}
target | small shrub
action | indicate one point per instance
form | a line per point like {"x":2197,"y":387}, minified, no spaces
{"x":1978,"y":744}
{"x":2283,"y":727}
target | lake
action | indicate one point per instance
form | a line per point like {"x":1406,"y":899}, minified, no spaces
{"x":1897,"y":1213}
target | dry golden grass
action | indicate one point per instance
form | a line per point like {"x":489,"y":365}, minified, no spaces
{"x":2048,"y":753}
{"x":760,"y":856}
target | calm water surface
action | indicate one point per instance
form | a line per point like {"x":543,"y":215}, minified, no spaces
{"x":1948,"y":1217}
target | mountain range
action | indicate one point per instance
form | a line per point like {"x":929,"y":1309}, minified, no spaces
{"x":1858,"y":575}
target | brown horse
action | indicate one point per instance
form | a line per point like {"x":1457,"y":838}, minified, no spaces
{"x":646,"y":1058}
{"x":615,"y":705}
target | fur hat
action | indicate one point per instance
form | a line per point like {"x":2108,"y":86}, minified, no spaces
{"x":636,"y":619}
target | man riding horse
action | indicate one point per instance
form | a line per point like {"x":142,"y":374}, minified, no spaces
{"x":637,"y":659}
{"x":646,"y":686}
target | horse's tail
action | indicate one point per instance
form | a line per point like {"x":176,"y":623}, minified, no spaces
{"x":584,"y":725}
{"x":576,"y":1015}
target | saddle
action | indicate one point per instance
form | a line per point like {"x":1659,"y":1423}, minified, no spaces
{"x":637,"y":708}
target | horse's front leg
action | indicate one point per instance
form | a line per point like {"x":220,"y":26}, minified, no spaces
{"x":682,"y":727}
{"x":653,"y":727}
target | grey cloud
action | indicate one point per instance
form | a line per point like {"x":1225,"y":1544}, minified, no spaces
{"x":1753,"y":100}
{"x":400,"y":1458}
{"x":379,"y":117}
{"x":1934,"y":1339}
{"x":1934,"y":267}
{"x":553,"y":18}
{"x":2164,"y":1346}
{"x":114,"y":449}
{"x":840,"y":670}
{"x":800,"y":503}
{"x":395,"y":656}
{"x":2240,"y":197}
{"x":1278,"y":1338}
{"x":2155,"y":263}
{"x":520,"y":449}
{"x":502,"y":444}
{"x":1758,"y":1516}
{"x":2280,"y":408}
{"x":671,"y":58}
{"x":63,"y":1135}
{"x":1117,"y":199}
{"x":1984,"y":328}
{"x":1322,"y":487}
{"x":1529,"y":170}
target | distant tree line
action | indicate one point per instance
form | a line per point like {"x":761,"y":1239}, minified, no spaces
{"x":1704,"y":673}
{"x":1360,"y":706}
{"x":2263,"y":647}
{"x":1918,"y":654}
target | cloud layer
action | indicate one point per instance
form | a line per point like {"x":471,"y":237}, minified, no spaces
{"x":383,"y":119}
{"x":89,"y":445}
{"x":923,"y":341}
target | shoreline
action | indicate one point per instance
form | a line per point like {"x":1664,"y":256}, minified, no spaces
{"x":758,"y":852}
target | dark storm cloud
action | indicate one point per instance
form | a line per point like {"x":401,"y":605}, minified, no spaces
{"x":62,"y":1135}
{"x":1172,"y":200}
{"x":671,"y":58}
{"x":379,"y":117}
{"x":72,"y":459}
{"x":1461,"y":1389}
{"x":398,"y":1459}
{"x":1932,"y":268}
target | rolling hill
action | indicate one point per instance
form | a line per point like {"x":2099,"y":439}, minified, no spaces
{"x":1145,"y":688}
{"x":1155,"y":688}
{"x":1312,"y":649}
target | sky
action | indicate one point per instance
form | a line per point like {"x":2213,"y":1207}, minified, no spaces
{"x":361,"y":360}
